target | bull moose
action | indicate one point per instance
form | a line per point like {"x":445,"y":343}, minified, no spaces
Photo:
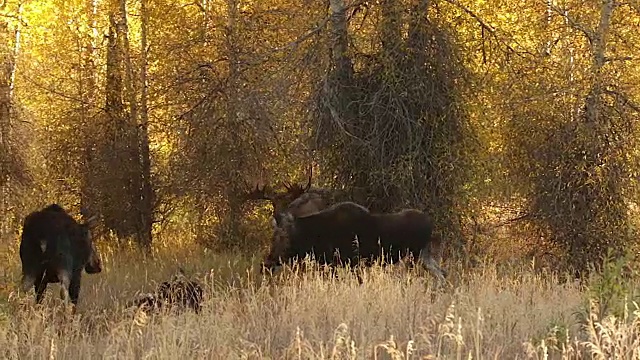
{"x":56,"y":248}
{"x":300,"y":199}
{"x":331,"y":236}
{"x":328,"y":234}
{"x":279,"y":200}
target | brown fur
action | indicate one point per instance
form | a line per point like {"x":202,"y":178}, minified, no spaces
{"x":179,"y":292}
{"x":306,"y":204}
{"x":54,"y":247}
{"x":326,"y":230}
{"x":311,"y":202}
{"x":298,"y":201}
{"x":395,"y":235}
{"x":279,"y":245}
{"x":410,"y":231}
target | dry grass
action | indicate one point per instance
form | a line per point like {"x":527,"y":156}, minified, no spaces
{"x":486,"y":313}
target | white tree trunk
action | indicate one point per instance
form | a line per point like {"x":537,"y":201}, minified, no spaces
{"x":340,"y":39}
{"x":598,"y":49}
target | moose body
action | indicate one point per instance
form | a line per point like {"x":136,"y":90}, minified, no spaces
{"x":335,"y":229}
{"x":301,"y":201}
{"x":332,"y":235}
{"x":55,"y":248}
{"x":409,"y":232}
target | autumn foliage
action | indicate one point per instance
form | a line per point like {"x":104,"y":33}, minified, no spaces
{"x":514,"y":125}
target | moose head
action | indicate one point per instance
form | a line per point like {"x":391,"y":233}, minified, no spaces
{"x":279,"y":200}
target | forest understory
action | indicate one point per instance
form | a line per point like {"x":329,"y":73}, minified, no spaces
{"x":491,"y":311}
{"x":183,"y":127}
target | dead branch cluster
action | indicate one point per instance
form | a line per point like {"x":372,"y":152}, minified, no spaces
{"x":397,"y":126}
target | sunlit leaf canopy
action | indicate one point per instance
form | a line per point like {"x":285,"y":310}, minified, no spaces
{"x":236,"y":94}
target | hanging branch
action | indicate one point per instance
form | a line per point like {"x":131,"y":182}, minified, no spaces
{"x":485,"y":26}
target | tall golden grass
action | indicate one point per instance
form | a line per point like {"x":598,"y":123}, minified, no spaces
{"x":491,"y":311}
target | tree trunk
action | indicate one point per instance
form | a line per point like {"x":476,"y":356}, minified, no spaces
{"x":128,"y":199}
{"x":87,"y":89}
{"x":595,"y":128}
{"x":147,"y":196}
{"x":588,"y":197}
{"x":550,"y":31}
{"x":9,"y":166}
{"x":130,"y":83}
{"x":135,"y":176}
{"x":340,"y":41}
{"x":391,"y":31}
{"x":598,"y":47}
{"x":236,"y":156}
{"x":417,"y":39}
{"x":117,"y":195}
{"x":113,"y":103}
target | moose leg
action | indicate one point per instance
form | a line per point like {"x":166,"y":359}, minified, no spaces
{"x":65,"y":267}
{"x":430,"y":264}
{"x":74,"y":287}
{"x":28,"y":280}
{"x":358,"y":270}
{"x":65,"y":281}
{"x":40,"y":286}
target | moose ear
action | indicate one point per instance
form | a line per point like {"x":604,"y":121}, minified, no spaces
{"x":286,"y":218}
{"x":85,"y":213}
{"x":291,"y":217}
{"x":283,"y":219}
{"x":277,"y":219}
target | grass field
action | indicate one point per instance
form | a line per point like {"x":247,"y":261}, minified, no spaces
{"x":492,"y":311}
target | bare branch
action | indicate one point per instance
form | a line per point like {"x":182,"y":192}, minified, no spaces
{"x":355,"y":6}
{"x":516,"y":219}
{"x":619,"y":58}
{"x":16,"y":17}
{"x":304,"y":37}
{"x":62,"y":94}
{"x":573,"y":22}
{"x":623,"y":99}
{"x":485,"y":26}
{"x":197,"y":4}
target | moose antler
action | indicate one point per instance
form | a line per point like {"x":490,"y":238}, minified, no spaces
{"x":291,"y":188}
{"x":259,"y":193}
{"x":310,"y":175}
